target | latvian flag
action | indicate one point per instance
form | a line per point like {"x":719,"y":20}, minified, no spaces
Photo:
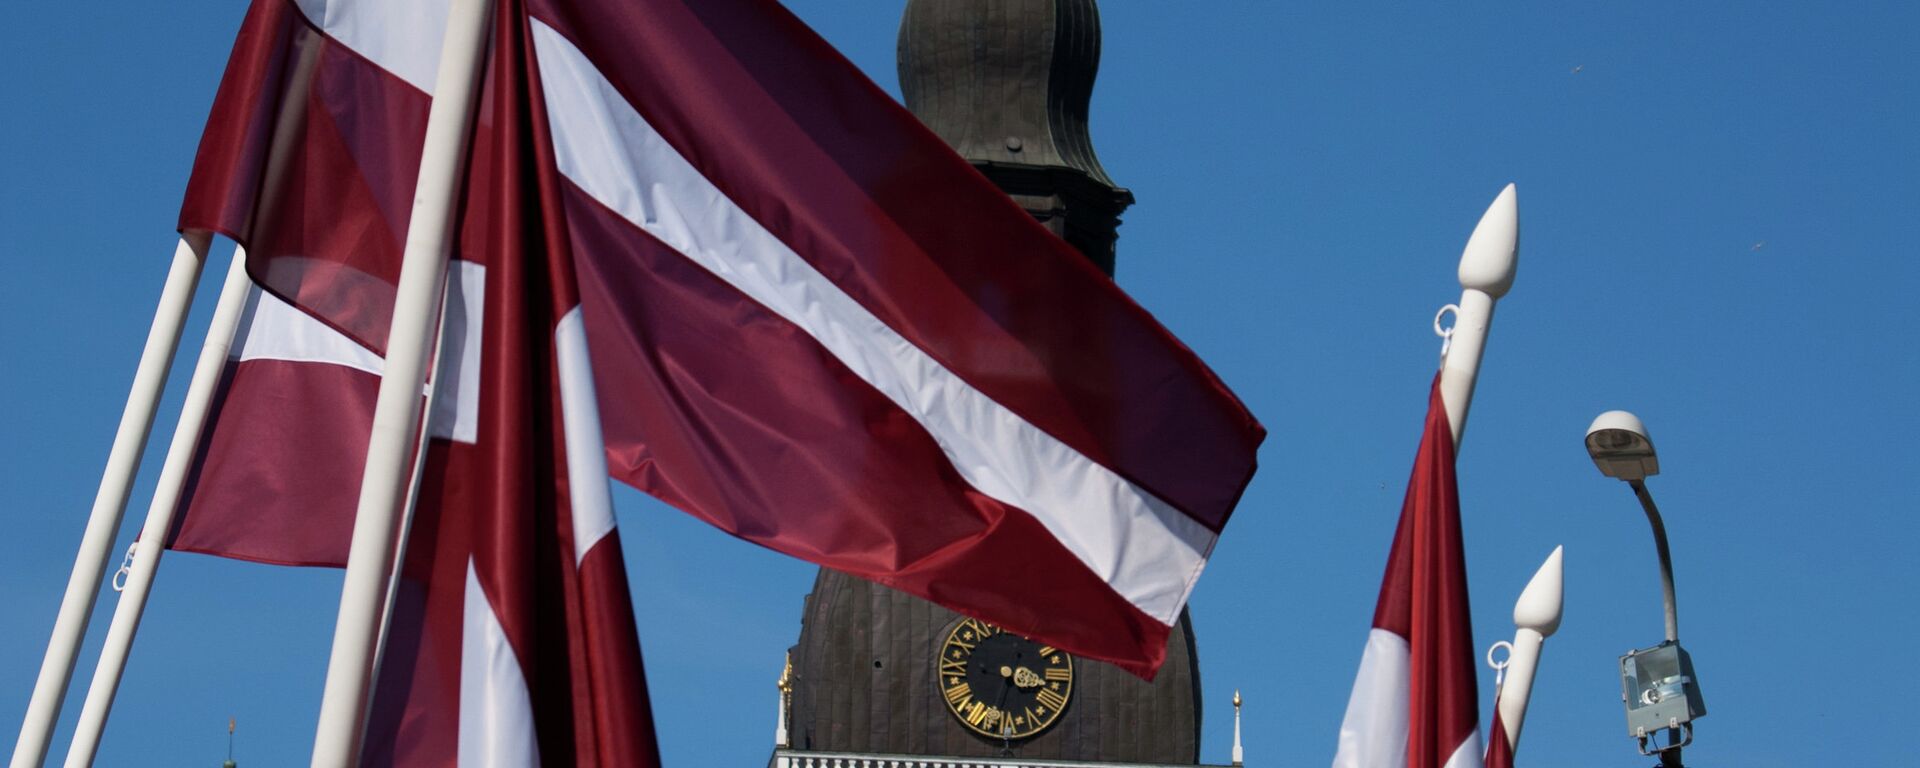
{"x":1414,"y":700}
{"x":810,"y":324}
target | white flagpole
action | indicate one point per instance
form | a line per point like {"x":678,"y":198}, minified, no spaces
{"x":396,"y":414}
{"x":110,"y":501}
{"x":1536,"y":615}
{"x":166,"y":500}
{"x":1486,"y":272}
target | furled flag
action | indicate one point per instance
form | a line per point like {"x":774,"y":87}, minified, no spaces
{"x":1499,"y":748}
{"x":812,"y":324}
{"x":1414,"y":700}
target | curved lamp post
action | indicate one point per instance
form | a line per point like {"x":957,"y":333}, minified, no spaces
{"x":1658,"y":683}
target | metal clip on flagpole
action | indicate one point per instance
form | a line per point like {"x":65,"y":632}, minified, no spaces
{"x":166,"y":501}
{"x":1536,"y":615}
{"x":1487,"y":266}
{"x":110,"y":501}
{"x":396,"y":414}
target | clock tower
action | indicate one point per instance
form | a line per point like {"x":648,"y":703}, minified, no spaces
{"x":879,"y":674}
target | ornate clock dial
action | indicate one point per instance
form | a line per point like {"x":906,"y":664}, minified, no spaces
{"x":999,"y":684}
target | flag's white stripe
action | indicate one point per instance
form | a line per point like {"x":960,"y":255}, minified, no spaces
{"x":496,"y":711}
{"x":1149,"y":552}
{"x":587,"y":489}
{"x":1374,"y":732}
{"x":402,"y":36}
{"x":274,"y":330}
{"x":1469,"y":755}
{"x":456,"y":411}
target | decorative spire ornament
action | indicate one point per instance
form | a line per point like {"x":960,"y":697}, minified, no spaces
{"x":1237,"y":753}
{"x":785,"y":684}
{"x":231,"y":722}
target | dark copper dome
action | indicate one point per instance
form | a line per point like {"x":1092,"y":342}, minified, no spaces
{"x":1007,"y":84}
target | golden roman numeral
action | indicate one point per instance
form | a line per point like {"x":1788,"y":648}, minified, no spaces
{"x":1061,"y":675}
{"x":953,"y":667}
{"x":1051,"y":698}
{"x":959,"y":693}
{"x":977,"y":713}
{"x":1046,"y":650}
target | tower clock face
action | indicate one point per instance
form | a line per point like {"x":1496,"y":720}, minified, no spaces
{"x":999,"y":684}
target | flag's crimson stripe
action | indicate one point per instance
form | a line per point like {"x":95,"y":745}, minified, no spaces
{"x":282,"y":440}
{"x":796,"y":136}
{"x":233,"y":148}
{"x":309,"y":159}
{"x":615,"y":701}
{"x":1499,"y":750}
{"x":722,"y":408}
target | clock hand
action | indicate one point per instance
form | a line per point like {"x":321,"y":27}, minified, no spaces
{"x":1006,"y":723}
{"x":1025,"y":678}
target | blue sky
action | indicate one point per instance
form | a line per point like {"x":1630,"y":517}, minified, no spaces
{"x":1720,"y":204}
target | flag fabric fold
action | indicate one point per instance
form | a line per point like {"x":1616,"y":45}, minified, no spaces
{"x":1414,"y":699}
{"x":1499,"y":749}
{"x":811,"y":324}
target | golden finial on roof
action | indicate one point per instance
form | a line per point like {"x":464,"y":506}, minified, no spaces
{"x":1236,"y":697}
{"x":786,"y":675}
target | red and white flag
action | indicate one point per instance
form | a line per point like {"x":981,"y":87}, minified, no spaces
{"x":1414,"y":701}
{"x":811,"y":324}
{"x":512,"y":640}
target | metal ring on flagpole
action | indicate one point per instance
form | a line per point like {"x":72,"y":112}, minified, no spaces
{"x":126,"y":569}
{"x":1445,"y":332}
{"x":1499,"y":667}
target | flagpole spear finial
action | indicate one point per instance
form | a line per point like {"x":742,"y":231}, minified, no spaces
{"x":1536,"y":616}
{"x":1540,"y":603}
{"x":1492,"y":254}
{"x":1487,"y":267}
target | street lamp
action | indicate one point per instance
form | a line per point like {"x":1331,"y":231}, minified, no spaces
{"x":1658,"y":684}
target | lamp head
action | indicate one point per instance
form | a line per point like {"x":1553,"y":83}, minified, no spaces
{"x":1620,"y":447}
